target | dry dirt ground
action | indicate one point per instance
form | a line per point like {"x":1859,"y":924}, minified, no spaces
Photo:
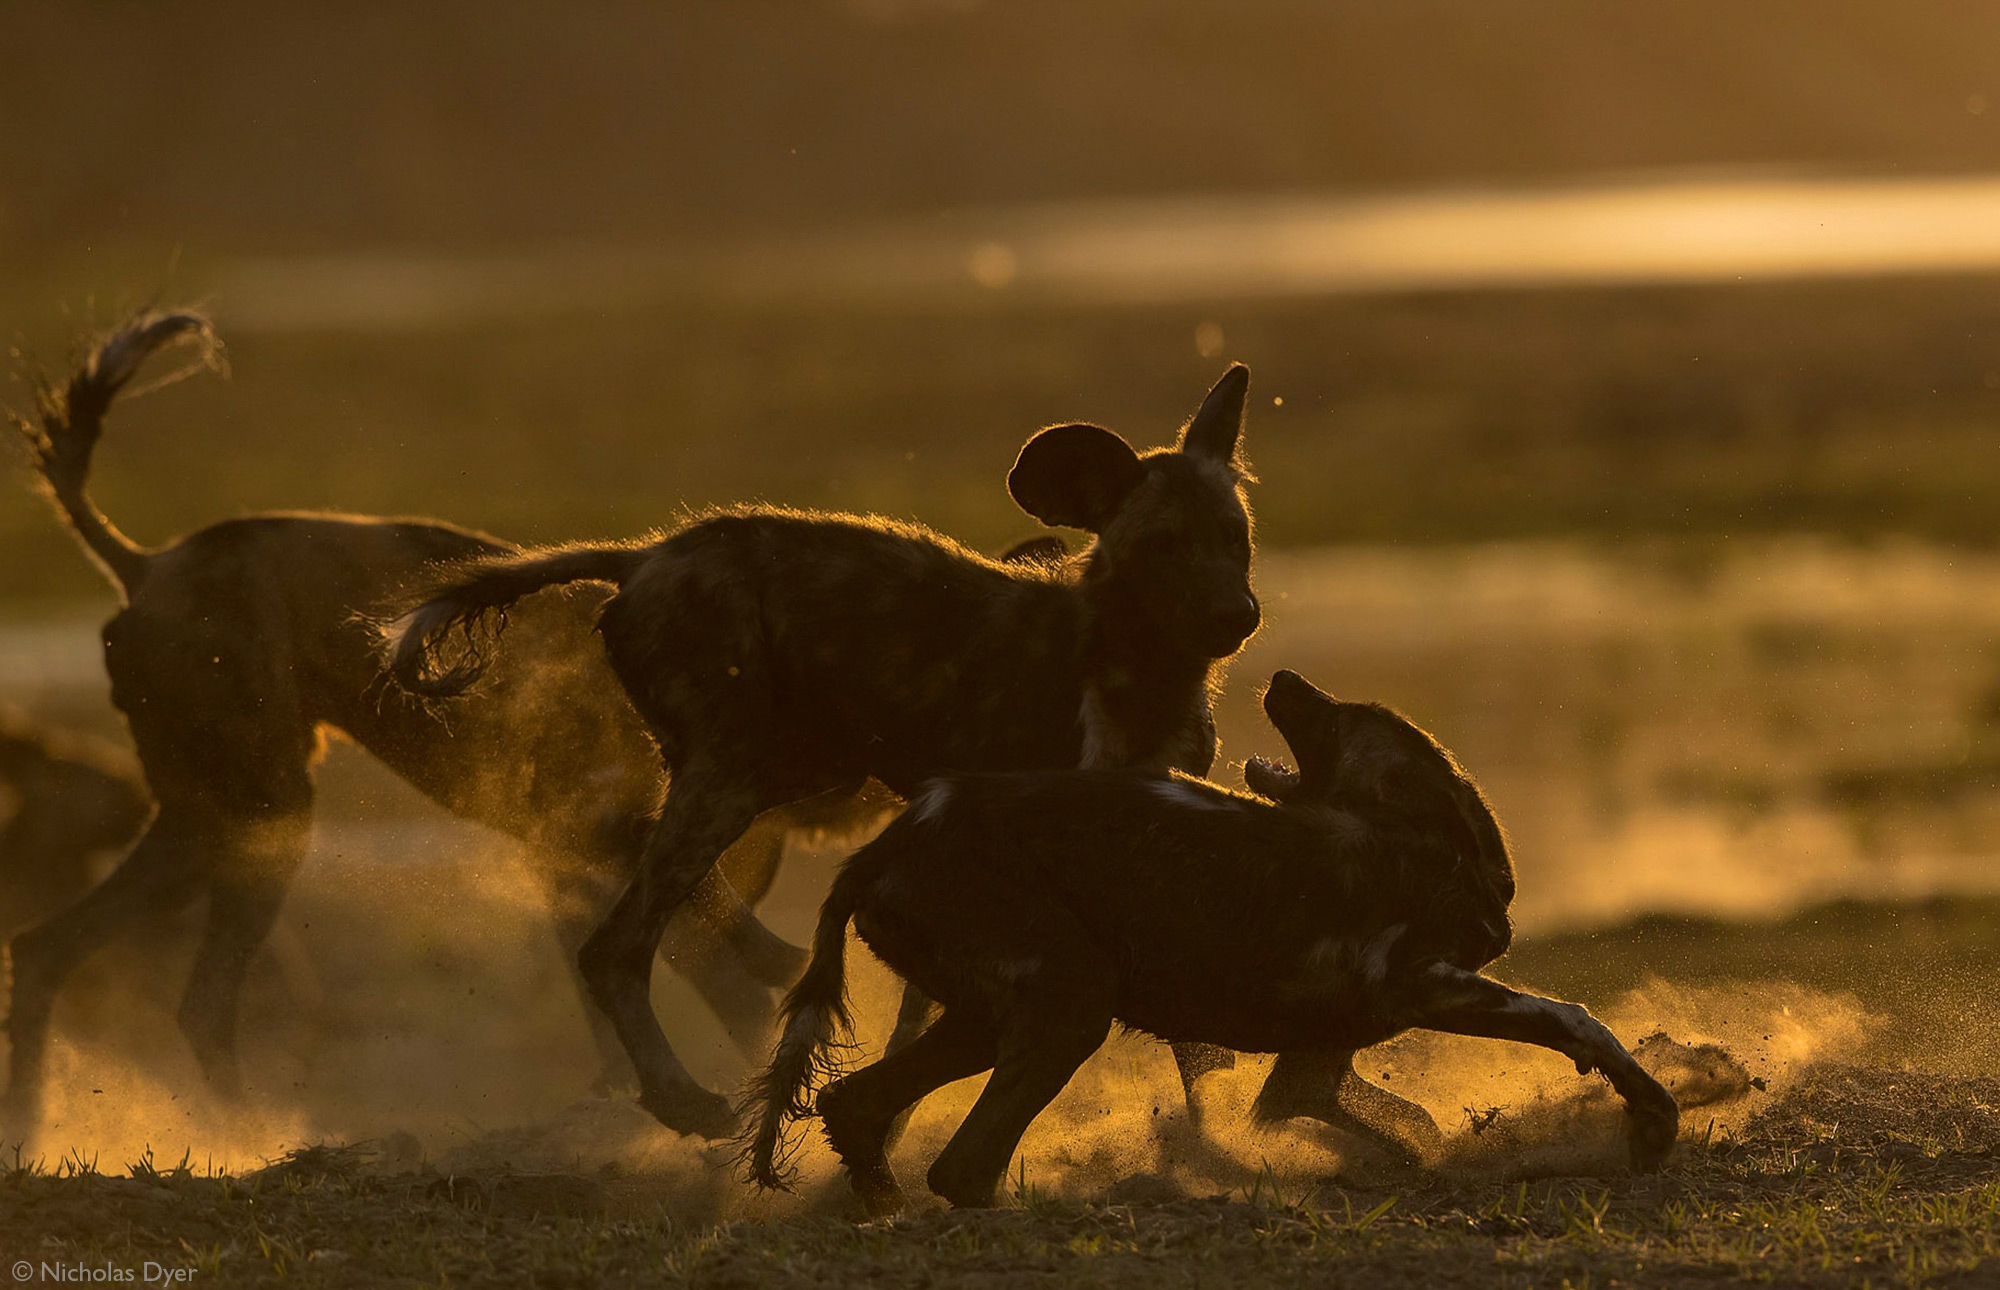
{"x":1851,"y":1177}
{"x":1868,"y":1159}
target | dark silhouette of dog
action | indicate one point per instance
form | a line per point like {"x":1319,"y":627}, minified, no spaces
{"x":241,"y":644}
{"x":75,"y":801}
{"x":776,"y":655}
{"x":1360,"y":901}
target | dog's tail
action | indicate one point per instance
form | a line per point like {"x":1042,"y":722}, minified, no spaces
{"x":69,"y":418}
{"x":444,"y":645}
{"x":814,"y":1016}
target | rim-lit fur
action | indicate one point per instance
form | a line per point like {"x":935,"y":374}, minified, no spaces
{"x":1358,"y":900}
{"x":776,"y":654}
{"x":239,"y":644}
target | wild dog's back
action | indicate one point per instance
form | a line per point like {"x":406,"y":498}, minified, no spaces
{"x":1224,"y":917}
{"x":1255,"y":924}
{"x":970,"y":663}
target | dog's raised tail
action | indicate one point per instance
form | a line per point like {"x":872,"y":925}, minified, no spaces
{"x":443,"y":646}
{"x":814,"y":1017}
{"x":69,"y":420}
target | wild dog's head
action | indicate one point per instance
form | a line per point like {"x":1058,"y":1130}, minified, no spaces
{"x":1366,"y":758}
{"x":1172,"y":558}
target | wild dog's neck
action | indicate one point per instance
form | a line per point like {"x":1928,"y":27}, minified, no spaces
{"x":1145,"y":704}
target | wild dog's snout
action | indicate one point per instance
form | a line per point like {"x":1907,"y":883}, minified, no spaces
{"x":1287,"y":693}
{"x":1307,"y":717}
{"x":1236,"y":620}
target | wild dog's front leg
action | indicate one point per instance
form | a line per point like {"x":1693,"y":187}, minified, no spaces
{"x":1321,"y":1084}
{"x":1464,"y":1003}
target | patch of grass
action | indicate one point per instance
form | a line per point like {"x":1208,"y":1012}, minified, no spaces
{"x":1852,"y":1178}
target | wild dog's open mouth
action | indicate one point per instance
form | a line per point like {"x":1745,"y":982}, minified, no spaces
{"x":1268,"y":778}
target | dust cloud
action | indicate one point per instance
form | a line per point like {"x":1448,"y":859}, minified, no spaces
{"x":1120,"y":1131}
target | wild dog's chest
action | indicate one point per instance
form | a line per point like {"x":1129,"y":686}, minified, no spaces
{"x":1174,"y":731}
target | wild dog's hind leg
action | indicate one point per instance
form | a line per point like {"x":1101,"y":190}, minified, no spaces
{"x":1054,"y":1006}
{"x":1464,"y":1003}
{"x":913,"y":1017}
{"x":1321,"y":1084}
{"x":861,"y":1112}
{"x":576,"y":896}
{"x":249,"y":874}
{"x":161,"y":874}
{"x":708,"y":959}
{"x":705,"y":811}
{"x":728,"y":898}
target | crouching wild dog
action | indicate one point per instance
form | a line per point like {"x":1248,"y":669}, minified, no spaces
{"x":776,"y":655}
{"x":241,"y":643}
{"x":1038,"y":909}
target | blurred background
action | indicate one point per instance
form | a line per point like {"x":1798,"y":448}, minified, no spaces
{"x":1627,"y":377}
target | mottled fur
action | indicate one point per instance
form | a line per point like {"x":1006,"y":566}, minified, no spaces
{"x":1040,"y":908}
{"x":777,"y":654}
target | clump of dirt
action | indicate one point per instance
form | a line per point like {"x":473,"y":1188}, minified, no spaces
{"x":1698,"y":1075}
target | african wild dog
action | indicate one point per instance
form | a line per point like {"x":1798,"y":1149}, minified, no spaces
{"x":777,"y":654}
{"x":240,"y":644}
{"x":1039,"y":908}
{"x":74,"y":799}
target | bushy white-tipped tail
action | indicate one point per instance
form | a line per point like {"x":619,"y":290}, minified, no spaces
{"x":783,"y":1093}
{"x":443,"y":646}
{"x":62,"y":436}
{"x":815,"y":1022}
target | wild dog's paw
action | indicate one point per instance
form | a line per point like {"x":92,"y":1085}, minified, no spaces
{"x":691,"y":1110}
{"x":1653,"y":1122}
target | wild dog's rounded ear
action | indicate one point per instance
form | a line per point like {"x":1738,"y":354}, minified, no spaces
{"x":1219,"y":424}
{"x":1074,"y":476}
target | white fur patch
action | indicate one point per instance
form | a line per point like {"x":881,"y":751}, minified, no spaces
{"x":1175,"y":792}
{"x":1015,"y":971}
{"x":1586,"y":1039}
{"x":1327,"y":969}
{"x":1375,"y":957}
{"x":927,"y":805}
{"x":1104,"y":744}
{"x":1327,"y":953}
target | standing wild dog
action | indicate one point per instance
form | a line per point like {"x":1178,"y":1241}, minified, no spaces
{"x":776,"y":655}
{"x":1039,"y":908}
{"x":241,"y":643}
